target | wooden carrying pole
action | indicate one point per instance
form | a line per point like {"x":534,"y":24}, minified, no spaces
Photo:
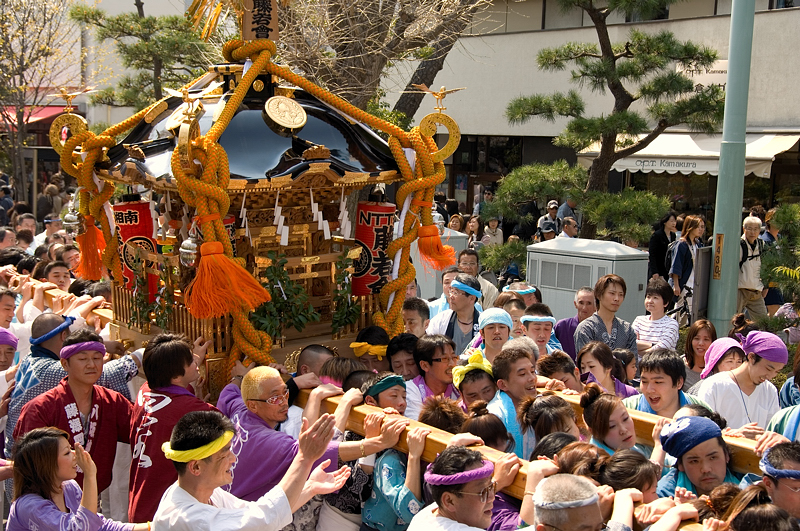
{"x":743,"y":458}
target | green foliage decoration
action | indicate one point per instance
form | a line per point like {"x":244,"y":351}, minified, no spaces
{"x":289,"y":307}
{"x":346,"y":310}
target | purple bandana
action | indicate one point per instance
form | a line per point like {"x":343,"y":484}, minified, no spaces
{"x":460,"y":478}
{"x":7,"y":338}
{"x":766,"y":345}
{"x":70,"y":350}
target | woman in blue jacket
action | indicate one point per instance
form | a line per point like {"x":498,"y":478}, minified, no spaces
{"x":681,"y":273}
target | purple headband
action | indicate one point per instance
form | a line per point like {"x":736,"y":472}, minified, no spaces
{"x":716,"y":351}
{"x":7,"y":338}
{"x":460,"y":478}
{"x":70,"y":350}
{"x":766,"y":345}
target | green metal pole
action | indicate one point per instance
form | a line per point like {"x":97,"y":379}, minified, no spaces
{"x":730,"y":184}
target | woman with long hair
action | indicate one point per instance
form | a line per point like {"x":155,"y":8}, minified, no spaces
{"x":474,"y":230}
{"x":681,"y":272}
{"x":46,"y":495}
{"x":597,"y":364}
{"x":699,"y":337}
{"x":612,"y":426}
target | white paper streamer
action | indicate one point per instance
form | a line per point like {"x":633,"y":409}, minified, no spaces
{"x":285,"y":236}
{"x":247,"y":64}
{"x":185,"y":223}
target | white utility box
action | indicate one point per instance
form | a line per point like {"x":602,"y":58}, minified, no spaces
{"x":562,"y":265}
{"x":430,"y":280}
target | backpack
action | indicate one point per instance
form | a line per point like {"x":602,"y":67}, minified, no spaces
{"x":671,"y":250}
{"x":746,"y":253}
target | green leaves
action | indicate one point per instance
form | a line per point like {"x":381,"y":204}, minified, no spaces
{"x":521,"y":109}
{"x":164,"y":51}
{"x":535,"y":182}
{"x":627,"y":215}
{"x":346,"y":310}
{"x":498,"y":257}
{"x":289,"y":307}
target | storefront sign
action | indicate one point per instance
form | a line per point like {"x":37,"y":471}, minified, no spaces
{"x":718,"y":242}
{"x":716,"y":74}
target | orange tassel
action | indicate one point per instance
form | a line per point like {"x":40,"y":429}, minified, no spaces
{"x":221,"y":285}
{"x":431,"y":251}
{"x":92,"y":245}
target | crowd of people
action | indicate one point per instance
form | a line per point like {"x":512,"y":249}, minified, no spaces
{"x":99,"y":438}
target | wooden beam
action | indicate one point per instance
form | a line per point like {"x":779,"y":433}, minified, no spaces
{"x":743,"y":456}
{"x":105,"y":315}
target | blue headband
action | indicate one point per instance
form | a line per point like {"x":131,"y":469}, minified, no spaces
{"x":776,"y":473}
{"x":685,"y":433}
{"x":526,"y":291}
{"x":466,"y":289}
{"x":537,"y":319}
{"x":54,"y":332}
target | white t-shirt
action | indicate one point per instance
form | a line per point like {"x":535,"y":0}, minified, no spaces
{"x":724,"y":396}
{"x":425,"y":520}
{"x":180,"y":511}
{"x":663,"y":333}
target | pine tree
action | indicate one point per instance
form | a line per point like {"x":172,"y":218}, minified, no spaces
{"x":162,"y":51}
{"x":642,"y":69}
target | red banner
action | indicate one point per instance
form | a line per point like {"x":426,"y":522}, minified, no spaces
{"x":374,"y":231}
{"x":134,"y":221}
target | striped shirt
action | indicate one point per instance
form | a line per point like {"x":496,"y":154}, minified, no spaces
{"x":663,"y":333}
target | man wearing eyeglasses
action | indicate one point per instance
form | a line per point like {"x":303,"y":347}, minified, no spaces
{"x":751,"y":291}
{"x":463,"y":492}
{"x":257,"y":411}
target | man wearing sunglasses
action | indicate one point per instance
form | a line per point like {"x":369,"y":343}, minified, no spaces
{"x":257,"y":410}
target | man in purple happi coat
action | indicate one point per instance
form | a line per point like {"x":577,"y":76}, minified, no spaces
{"x":263,"y":453}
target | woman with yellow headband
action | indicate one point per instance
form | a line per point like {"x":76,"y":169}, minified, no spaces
{"x":46,"y":495}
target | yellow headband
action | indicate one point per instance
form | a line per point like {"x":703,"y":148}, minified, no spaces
{"x":476,"y":361}
{"x":359,"y":349}
{"x":184,"y":456}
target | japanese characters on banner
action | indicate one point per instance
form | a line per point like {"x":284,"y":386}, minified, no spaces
{"x":374,"y":231}
{"x":260,"y":20}
{"x":134,"y":221}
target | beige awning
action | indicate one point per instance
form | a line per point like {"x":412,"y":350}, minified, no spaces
{"x":697,"y":153}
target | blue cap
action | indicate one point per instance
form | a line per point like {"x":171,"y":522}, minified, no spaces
{"x":495,"y":316}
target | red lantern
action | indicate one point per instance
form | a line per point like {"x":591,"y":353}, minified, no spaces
{"x":134,"y":221}
{"x":374,"y":231}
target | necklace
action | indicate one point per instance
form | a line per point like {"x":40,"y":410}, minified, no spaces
{"x":744,"y":402}
{"x":468,"y":323}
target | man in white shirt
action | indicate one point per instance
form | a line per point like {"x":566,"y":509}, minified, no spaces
{"x":751,"y":292}
{"x":570,"y":228}
{"x":200,"y":448}
{"x":52,"y":224}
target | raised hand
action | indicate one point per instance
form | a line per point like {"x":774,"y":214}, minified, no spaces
{"x":321,"y":482}
{"x":314,"y":440}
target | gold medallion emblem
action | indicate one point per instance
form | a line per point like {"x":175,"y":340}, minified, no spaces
{"x":74,"y":123}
